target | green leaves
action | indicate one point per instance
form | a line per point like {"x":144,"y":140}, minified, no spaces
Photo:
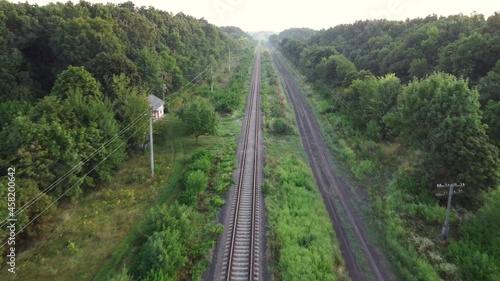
{"x":440,"y":115}
{"x":76,"y":78}
{"x":79,"y":40}
{"x":199,"y":118}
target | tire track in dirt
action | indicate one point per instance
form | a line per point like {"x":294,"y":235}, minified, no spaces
{"x":328,"y":181}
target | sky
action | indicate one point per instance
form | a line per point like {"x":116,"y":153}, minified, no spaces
{"x":278,"y":15}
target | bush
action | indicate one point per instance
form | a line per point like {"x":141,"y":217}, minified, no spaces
{"x":202,"y":164}
{"x":163,"y":251}
{"x":226,"y":102}
{"x":280,"y":127}
{"x":276,"y":110}
{"x":196,"y":181}
{"x":483,"y":227}
{"x":473,"y":264}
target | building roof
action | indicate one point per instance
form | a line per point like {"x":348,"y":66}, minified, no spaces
{"x":155,"y":102}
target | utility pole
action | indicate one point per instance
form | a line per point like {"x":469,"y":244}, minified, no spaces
{"x":211,"y":78}
{"x":450,"y":192}
{"x":151,"y":142}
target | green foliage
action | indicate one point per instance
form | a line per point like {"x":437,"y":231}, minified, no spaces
{"x":488,"y":85}
{"x":297,"y":33}
{"x":304,"y":249}
{"x":281,"y":127}
{"x":367,"y":101}
{"x":482,"y":227}
{"x":163,"y":252}
{"x":441,"y":116}
{"x":168,"y":230}
{"x":76,"y":78}
{"x":107,"y":65}
{"x":149,"y":67}
{"x":226,"y":101}
{"x":79,"y":40}
{"x":473,"y":263}
{"x":336,"y":70}
{"x":472,"y":56}
{"x":121,"y":276}
{"x":429,"y":131}
{"x":199,"y":118}
{"x":196,"y":181}
{"x":418,"y":68}
{"x":130,"y":107}
{"x":301,"y":239}
{"x":492,"y":119}
{"x":57,"y":117}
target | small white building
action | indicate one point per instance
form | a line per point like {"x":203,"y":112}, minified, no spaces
{"x":157,"y":105}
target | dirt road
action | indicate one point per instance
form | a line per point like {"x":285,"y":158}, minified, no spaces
{"x":333,"y":186}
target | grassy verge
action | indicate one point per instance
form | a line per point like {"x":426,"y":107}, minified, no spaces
{"x":85,"y":233}
{"x":302,"y":243}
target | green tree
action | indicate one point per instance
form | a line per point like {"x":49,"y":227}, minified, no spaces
{"x":369,"y":99}
{"x":105,"y":65}
{"x":164,"y":252}
{"x":336,"y":70}
{"x":130,"y":104}
{"x":149,"y":66}
{"x":79,"y":40}
{"x":74,"y":78}
{"x":199,"y":118}
{"x":440,"y":115}
{"x":492,"y":119}
{"x":468,"y":57}
{"x":489,"y":85}
{"x":418,"y":68}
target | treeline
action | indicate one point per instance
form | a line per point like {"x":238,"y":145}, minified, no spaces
{"x":411,"y":104}
{"x":467,"y":47}
{"x":74,"y":82}
{"x":369,"y":68}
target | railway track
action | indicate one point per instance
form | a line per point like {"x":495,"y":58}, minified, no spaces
{"x":241,"y":256}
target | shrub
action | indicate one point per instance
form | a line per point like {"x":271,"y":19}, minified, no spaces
{"x":226,"y":102}
{"x":473,"y":264}
{"x":202,"y":164}
{"x":276,"y":110}
{"x":163,"y":250}
{"x":280,"y":127}
{"x":218,"y":202}
{"x":196,"y":181}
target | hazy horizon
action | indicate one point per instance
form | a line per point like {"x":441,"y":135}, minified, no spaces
{"x":276,"y":16}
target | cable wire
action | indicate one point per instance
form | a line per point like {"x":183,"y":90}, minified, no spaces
{"x":81,"y":179}
{"x":103,"y":146}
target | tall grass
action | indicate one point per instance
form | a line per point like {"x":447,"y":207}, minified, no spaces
{"x":302,"y":243}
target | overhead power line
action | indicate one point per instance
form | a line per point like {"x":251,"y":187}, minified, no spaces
{"x":74,"y":168}
{"x":75,"y":184}
{"x":188,"y":86}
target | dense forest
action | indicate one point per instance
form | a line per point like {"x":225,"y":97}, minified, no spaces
{"x":74,"y":81}
{"x":409,"y":105}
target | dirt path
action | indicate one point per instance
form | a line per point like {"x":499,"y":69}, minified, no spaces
{"x":333,"y":186}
